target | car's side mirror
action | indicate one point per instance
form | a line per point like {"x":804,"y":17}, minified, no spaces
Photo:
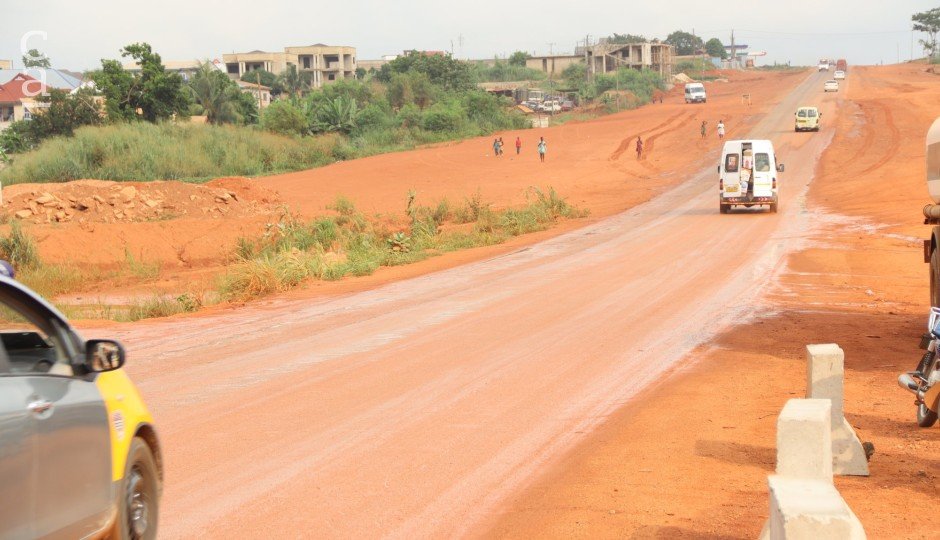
{"x":780,"y":167}
{"x":103,"y":355}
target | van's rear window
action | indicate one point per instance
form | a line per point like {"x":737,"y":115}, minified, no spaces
{"x":761,"y":162}
{"x":731,"y":163}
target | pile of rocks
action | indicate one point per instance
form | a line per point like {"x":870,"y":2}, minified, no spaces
{"x":117,"y":203}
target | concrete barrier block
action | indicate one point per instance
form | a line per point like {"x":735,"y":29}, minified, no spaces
{"x":825,"y":379}
{"x":804,"y":440}
{"x":804,"y":509}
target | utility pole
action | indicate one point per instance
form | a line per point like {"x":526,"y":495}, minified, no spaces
{"x":258,"y":78}
{"x":551,"y":48}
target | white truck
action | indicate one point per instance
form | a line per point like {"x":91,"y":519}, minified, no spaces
{"x":932,"y":211}
{"x":695,"y":93}
{"x":747,"y":175}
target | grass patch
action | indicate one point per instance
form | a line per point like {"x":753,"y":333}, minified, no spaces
{"x":143,"y":151}
{"x":140,"y":269}
{"x":18,"y":248}
{"x":350,"y":244}
{"x":159,"y":306}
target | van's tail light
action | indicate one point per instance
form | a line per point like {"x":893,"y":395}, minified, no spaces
{"x":721,"y":184}
{"x":774,"y":185}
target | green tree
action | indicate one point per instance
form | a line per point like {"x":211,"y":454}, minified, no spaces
{"x":284,"y":117}
{"x":221,"y":98}
{"x":684,"y":42}
{"x":929,"y":22}
{"x":34,"y":58}
{"x":715,"y":48}
{"x":518,"y":58}
{"x":414,"y":87}
{"x":156,"y":94}
{"x":294,"y":82}
{"x":626,"y":38}
{"x":442,"y":70}
{"x":265,"y":77}
{"x":64,"y":113}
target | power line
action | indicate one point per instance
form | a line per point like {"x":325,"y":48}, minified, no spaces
{"x":810,"y":33}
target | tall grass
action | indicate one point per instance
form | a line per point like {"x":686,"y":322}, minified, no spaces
{"x":143,"y":151}
{"x":330,"y":248}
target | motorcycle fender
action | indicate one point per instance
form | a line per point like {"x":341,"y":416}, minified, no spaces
{"x":932,"y":398}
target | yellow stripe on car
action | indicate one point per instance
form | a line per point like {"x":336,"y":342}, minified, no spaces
{"x":126,"y":411}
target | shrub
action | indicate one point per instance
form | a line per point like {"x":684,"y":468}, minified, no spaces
{"x":442,"y":118}
{"x":284,"y":117}
{"x":19,"y":249}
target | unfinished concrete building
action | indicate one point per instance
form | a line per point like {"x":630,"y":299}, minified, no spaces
{"x":607,"y":57}
{"x":325,"y":63}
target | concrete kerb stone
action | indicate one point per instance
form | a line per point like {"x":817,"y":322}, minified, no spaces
{"x":825,"y":379}
{"x":803,"y":501}
{"x":802,"y":509}
{"x":804,"y":440}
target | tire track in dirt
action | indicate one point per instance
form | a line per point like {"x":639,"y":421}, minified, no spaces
{"x":894,"y":137}
{"x":650,"y":141}
{"x":625,"y":143}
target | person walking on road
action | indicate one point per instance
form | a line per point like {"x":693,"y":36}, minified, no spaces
{"x":703,"y":129}
{"x":500,"y":146}
{"x":496,"y":147}
{"x":518,"y":145}
{"x":543,"y":147}
{"x":721,"y":129}
{"x":639,"y":147}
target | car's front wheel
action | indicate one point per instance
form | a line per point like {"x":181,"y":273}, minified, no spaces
{"x":139,"y":497}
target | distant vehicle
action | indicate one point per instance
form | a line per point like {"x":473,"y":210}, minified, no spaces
{"x":695,"y":93}
{"x":78,"y":451}
{"x":550,"y":106}
{"x":841,"y":65}
{"x":823,"y":65}
{"x":532,"y":104}
{"x":838,"y":75}
{"x":747,"y":175}
{"x":831,"y":85}
{"x":807,"y":119}
{"x":567,"y":105}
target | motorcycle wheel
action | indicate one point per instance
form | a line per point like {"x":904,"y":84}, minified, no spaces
{"x":925,"y":417}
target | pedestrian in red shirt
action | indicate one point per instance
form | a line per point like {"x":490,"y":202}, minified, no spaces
{"x":518,"y":145}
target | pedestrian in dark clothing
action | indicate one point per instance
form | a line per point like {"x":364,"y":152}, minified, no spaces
{"x":639,"y":147}
{"x":496,"y":147}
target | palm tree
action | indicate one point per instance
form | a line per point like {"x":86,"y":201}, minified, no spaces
{"x":216,"y":93}
{"x":294,"y":82}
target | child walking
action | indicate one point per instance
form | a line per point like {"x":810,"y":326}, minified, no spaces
{"x":543,"y":147}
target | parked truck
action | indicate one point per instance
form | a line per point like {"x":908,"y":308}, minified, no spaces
{"x":932,"y":211}
{"x":841,"y":65}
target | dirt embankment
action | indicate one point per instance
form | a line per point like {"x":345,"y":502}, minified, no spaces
{"x":190,"y":231}
{"x":690,"y":458}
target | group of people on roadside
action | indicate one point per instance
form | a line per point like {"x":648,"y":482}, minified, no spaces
{"x":721,"y":129}
{"x":542,"y":147}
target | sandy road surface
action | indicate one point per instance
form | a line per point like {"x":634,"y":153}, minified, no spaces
{"x":416,"y":408}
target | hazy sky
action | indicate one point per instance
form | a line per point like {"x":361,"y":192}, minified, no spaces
{"x":800,"y":31}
